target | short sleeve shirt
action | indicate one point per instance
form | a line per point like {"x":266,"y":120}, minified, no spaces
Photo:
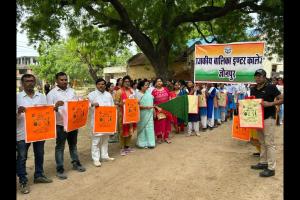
{"x":267,"y":93}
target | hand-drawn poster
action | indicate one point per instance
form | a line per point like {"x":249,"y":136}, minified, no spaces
{"x":202,"y":100}
{"x":193,"y":104}
{"x":105,"y":119}
{"x":222,"y":100}
{"x":40,"y":123}
{"x":238,"y":132}
{"x":76,"y":114}
{"x":131,"y":111}
{"x":251,"y":113}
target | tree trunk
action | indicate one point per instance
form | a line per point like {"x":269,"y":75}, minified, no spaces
{"x":92,"y":72}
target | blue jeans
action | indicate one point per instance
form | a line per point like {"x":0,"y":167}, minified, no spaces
{"x":281,"y":113}
{"x":22,"y":150}
{"x":61,"y":138}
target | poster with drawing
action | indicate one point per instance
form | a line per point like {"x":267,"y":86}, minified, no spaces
{"x":76,"y":114}
{"x":40,"y":123}
{"x":105,"y":119}
{"x":251,"y":113}
{"x":131,"y":111}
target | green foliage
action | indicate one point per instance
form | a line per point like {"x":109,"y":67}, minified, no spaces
{"x":56,"y":58}
{"x":77,"y":55}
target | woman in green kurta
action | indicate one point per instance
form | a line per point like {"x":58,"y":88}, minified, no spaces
{"x":145,"y":137}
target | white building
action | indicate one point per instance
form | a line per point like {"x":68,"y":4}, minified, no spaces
{"x":273,"y":66}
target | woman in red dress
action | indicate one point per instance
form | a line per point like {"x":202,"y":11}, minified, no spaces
{"x":162,"y":121}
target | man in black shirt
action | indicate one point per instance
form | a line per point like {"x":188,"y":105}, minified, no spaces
{"x":271,"y":96}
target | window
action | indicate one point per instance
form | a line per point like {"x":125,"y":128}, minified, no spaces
{"x":274,"y":68}
{"x":22,"y":71}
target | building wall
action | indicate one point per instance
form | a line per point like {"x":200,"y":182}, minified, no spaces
{"x":181,"y":71}
{"x":141,"y":71}
{"x":267,"y":65}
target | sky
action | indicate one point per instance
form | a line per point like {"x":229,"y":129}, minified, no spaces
{"x":22,"y":46}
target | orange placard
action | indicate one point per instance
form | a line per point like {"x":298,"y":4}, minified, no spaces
{"x":76,"y":114}
{"x":105,"y":119}
{"x":238,"y":132}
{"x":131,"y":111}
{"x":40,"y":123}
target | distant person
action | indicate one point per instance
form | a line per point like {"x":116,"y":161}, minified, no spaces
{"x":28,"y":97}
{"x":118,"y":84}
{"x":47,"y":87}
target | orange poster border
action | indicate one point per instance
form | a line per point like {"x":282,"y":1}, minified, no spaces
{"x":124,"y":115}
{"x":108,"y":133}
{"x":65,"y":118}
{"x":25,"y":126}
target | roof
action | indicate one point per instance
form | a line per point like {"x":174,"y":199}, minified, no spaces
{"x":138,"y":59}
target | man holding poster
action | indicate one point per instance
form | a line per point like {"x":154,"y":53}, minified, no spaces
{"x":268,"y":93}
{"x":28,"y":97}
{"x":58,"y":96}
{"x":100,"y":97}
{"x":126,"y":130}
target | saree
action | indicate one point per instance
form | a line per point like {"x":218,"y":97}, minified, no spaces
{"x":145,"y":127}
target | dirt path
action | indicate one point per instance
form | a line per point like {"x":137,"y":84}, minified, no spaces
{"x":210,"y":167}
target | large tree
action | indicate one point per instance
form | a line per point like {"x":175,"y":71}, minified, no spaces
{"x":160,"y":28}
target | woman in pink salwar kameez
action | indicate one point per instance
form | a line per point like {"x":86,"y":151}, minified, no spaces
{"x":162,"y":127}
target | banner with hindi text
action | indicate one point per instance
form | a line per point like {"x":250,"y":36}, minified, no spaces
{"x":40,"y":123}
{"x":105,"y":119}
{"x":75,"y":114}
{"x":131,"y":111}
{"x":228,"y":63}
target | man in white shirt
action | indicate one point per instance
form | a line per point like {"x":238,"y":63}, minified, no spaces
{"x":58,"y":95}
{"x":100,"y":97}
{"x":26,"y":98}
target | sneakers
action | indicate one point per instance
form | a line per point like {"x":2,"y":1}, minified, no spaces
{"x":24,"y":188}
{"x":267,"y":173}
{"x":61,"y":175}
{"x":123,"y":152}
{"x":77,"y":166}
{"x":42,"y":179}
{"x":129,"y":150}
{"x":97,"y":163}
{"x":107,"y":159}
{"x":259,"y":166}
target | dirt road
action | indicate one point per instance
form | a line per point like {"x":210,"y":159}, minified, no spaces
{"x":210,"y":167}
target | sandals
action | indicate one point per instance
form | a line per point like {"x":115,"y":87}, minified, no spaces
{"x":168,"y":141}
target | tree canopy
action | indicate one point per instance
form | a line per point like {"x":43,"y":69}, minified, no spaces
{"x":160,"y":28}
{"x":80,"y":57}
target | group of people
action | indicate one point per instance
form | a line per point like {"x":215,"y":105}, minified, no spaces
{"x":153,"y":128}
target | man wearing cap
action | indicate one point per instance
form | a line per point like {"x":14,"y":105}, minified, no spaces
{"x":271,"y":97}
